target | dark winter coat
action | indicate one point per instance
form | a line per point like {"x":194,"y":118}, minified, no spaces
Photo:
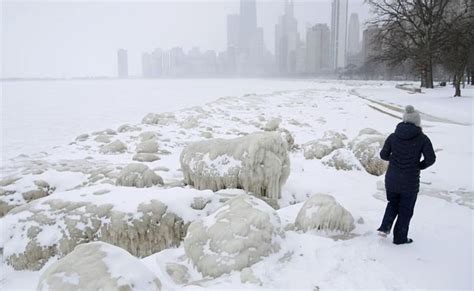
{"x":403,"y":150}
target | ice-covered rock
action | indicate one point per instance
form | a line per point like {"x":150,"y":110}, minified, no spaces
{"x":52,"y":227}
{"x":82,"y":137}
{"x":128,"y":128}
{"x":103,"y":138}
{"x":10,"y":199}
{"x":107,"y":131}
{"x":178,"y":273}
{"x":236,"y":236}
{"x":342,"y":159}
{"x":322,"y":212}
{"x":144,"y":157}
{"x":138,"y":175}
{"x":159,"y":119}
{"x":366,"y":147}
{"x":148,"y":147}
{"x":320,"y":148}
{"x":147,"y":135}
{"x":272,"y":124}
{"x":287,"y":136}
{"x":98,"y":266}
{"x":190,"y":122}
{"x":114,"y":147}
{"x":257,"y":163}
{"x":247,"y":276}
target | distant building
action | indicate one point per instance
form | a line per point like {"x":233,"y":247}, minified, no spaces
{"x":353,"y":37}
{"x":122,"y":63}
{"x":370,"y":46}
{"x":146,"y":65}
{"x":317,"y":48}
{"x":157,"y":63}
{"x":339,"y":33}
{"x":233,"y":31}
{"x":286,"y":41}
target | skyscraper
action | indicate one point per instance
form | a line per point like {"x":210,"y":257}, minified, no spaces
{"x":286,"y":40}
{"x":122,"y":63}
{"x":248,"y":24}
{"x":339,"y":33}
{"x":353,"y":38}
{"x":233,"y":28}
{"x":317,"y":48}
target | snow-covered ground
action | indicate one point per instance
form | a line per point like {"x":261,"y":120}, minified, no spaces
{"x":441,"y":256}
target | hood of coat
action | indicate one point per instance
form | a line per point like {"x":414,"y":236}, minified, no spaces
{"x":407,"y":130}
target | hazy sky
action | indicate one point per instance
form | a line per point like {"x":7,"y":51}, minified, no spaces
{"x":80,"y":38}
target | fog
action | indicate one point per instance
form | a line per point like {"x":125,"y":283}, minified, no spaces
{"x":77,"y":39}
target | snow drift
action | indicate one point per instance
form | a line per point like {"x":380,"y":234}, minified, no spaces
{"x":239,"y":234}
{"x":322,"y":212}
{"x":98,"y":266}
{"x":50,"y":227}
{"x":257,"y":163}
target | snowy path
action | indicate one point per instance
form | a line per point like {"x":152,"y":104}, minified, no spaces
{"x":442,"y":227}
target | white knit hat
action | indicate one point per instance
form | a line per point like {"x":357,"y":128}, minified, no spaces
{"x":412,"y":116}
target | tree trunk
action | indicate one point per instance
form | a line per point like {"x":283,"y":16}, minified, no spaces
{"x":457,"y":84}
{"x":423,"y":79}
{"x":429,"y":80}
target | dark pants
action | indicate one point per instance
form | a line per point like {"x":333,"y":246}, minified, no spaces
{"x":401,"y":205}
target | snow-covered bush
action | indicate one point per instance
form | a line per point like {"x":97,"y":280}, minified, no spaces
{"x":320,"y":148}
{"x":160,"y":119}
{"x":148,"y":147}
{"x":322,"y":212}
{"x":257,"y":163}
{"x":342,"y":159}
{"x":239,"y":234}
{"x":98,"y":266}
{"x":49,"y":227}
{"x":138,"y":175}
{"x":114,"y":147}
{"x":366,"y":147}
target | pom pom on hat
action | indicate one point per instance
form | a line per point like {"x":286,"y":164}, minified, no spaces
{"x":411,"y":116}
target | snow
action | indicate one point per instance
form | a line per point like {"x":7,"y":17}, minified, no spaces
{"x":442,"y":227}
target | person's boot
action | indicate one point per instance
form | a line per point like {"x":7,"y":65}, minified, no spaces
{"x":383,"y":233}
{"x":408,"y":241}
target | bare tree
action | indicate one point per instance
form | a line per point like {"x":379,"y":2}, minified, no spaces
{"x":411,"y":30}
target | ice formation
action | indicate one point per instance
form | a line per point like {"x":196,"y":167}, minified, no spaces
{"x":320,"y":148}
{"x":82,"y":137}
{"x":322,"y":212}
{"x":257,"y":163}
{"x":342,"y":159}
{"x":287,"y":136}
{"x":10,"y":199}
{"x":114,"y":147}
{"x":98,"y":266}
{"x":272,"y":124}
{"x":42,"y":229}
{"x":160,"y":119}
{"x":127,"y":128}
{"x":147,"y":147}
{"x":144,"y":157}
{"x":366,"y":147}
{"x":236,"y":236}
{"x":138,"y":175}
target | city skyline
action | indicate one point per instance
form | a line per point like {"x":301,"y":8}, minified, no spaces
{"x":82,"y":51}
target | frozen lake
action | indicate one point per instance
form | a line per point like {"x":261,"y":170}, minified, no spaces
{"x":37,"y":115}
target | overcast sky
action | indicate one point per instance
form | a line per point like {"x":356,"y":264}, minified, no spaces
{"x":74,"y":38}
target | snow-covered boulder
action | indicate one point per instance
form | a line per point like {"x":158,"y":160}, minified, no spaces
{"x":51,"y":227}
{"x":272,"y":124}
{"x":159,"y":119}
{"x":342,"y":159}
{"x":10,"y":199}
{"x":190,"y":122}
{"x":138,"y":175}
{"x":82,"y":137}
{"x":147,"y":135}
{"x":143,"y":157}
{"x":322,"y":212}
{"x":236,"y":236}
{"x":115,"y":147}
{"x":103,"y":138}
{"x":320,"y":148}
{"x":148,"y":147}
{"x":366,"y":147}
{"x":257,"y":163}
{"x":98,"y":266}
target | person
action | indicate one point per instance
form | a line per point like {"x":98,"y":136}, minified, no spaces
{"x":403,"y":150}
